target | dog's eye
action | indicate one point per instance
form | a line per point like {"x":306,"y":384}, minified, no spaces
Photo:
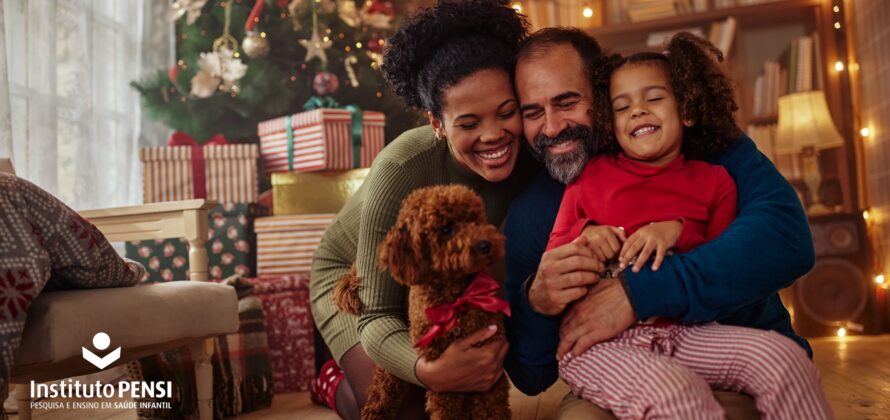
{"x":446,"y":230}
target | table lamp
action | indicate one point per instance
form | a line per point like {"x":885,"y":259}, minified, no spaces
{"x":806,"y":127}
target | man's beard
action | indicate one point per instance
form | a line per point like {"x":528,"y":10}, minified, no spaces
{"x":565,"y":167}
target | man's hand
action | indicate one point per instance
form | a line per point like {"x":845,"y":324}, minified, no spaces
{"x":605,"y":241}
{"x":604,"y":313}
{"x":656,"y":237}
{"x":563,"y":276}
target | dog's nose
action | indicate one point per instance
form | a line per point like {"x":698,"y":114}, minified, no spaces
{"x":483,"y":247}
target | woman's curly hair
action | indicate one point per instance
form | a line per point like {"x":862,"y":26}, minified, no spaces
{"x":445,"y":43}
{"x":704,"y":94}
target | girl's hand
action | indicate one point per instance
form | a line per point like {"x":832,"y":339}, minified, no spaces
{"x":657,"y":237}
{"x":605,"y":241}
{"x":464,"y":366}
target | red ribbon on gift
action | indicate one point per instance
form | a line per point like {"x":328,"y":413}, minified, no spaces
{"x":481,"y":293}
{"x":199,"y":172}
{"x":257,"y":10}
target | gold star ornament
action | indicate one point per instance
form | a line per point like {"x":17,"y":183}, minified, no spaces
{"x":315,"y":47}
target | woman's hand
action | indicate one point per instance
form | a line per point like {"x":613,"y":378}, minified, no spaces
{"x":657,"y":237}
{"x":464,"y":366}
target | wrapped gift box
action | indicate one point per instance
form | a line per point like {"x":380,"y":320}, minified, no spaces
{"x":172,"y":173}
{"x":285,"y":244}
{"x":231,"y":245}
{"x":290,"y":329}
{"x":320,"y":139}
{"x":314,"y":192}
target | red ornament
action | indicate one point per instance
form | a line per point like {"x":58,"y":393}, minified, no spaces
{"x":173,"y":73}
{"x":378,"y":6}
{"x":325,"y":83}
{"x":376,"y":43}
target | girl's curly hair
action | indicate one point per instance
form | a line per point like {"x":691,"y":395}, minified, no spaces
{"x":704,"y":94}
{"x":445,"y":43}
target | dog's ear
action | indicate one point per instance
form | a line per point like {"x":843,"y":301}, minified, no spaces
{"x":399,"y":255}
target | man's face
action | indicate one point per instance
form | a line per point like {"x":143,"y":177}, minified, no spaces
{"x":555,"y":99}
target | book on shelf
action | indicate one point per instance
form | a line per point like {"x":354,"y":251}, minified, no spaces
{"x":766,"y":90}
{"x":659,"y":39}
{"x":797,"y":70}
{"x":725,"y":4}
{"x":546,"y":13}
{"x":804,"y":68}
{"x":642,"y":10}
{"x":722,"y":34}
{"x":699,"y":6}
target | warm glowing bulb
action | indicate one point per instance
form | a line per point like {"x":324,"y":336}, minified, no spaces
{"x":837,"y":25}
{"x":358,"y":44}
{"x":836,"y":9}
{"x":841,"y":332}
{"x":865,"y":215}
{"x":237,"y":54}
{"x":879,"y":279}
{"x":262,"y":34}
{"x":838,"y":66}
{"x":517,"y":7}
{"x":326,"y":39}
{"x":587,"y":12}
{"x":865,"y":132}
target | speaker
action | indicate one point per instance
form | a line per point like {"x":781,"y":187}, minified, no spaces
{"x":838,"y":291}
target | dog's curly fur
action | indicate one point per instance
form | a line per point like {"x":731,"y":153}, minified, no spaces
{"x":440,"y":241}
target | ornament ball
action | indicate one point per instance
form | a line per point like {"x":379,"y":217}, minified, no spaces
{"x":173,"y":73}
{"x":255,"y":45}
{"x":325,"y":83}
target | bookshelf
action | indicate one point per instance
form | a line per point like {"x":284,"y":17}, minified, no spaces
{"x":764,"y":33}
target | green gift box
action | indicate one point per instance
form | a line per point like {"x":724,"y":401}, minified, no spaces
{"x":231,"y":246}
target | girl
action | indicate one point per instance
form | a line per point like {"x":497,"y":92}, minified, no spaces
{"x":651,"y":192}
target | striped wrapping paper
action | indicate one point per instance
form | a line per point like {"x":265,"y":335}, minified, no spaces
{"x":285,"y":244}
{"x":322,"y":140}
{"x":230,"y":173}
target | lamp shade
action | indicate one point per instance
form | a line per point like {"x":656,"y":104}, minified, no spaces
{"x":804,"y":121}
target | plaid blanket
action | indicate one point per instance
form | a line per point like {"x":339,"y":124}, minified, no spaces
{"x":242,"y":371}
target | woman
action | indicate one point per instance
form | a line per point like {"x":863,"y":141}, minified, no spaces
{"x":453,"y":60}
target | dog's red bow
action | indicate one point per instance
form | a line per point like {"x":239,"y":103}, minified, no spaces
{"x":481,"y":293}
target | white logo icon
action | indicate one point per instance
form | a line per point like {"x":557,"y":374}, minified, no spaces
{"x":101,"y":341}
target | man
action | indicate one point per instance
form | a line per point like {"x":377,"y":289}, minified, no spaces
{"x":558,"y":300}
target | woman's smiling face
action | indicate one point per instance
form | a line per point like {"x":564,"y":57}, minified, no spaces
{"x":480,"y":119}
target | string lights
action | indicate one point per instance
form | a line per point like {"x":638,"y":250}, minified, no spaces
{"x":586,"y":11}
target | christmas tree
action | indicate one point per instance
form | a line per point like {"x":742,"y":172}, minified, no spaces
{"x":240,"y":62}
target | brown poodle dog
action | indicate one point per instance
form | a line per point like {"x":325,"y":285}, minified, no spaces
{"x":438,"y":247}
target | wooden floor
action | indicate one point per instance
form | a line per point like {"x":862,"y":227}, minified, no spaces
{"x":855,"y":372}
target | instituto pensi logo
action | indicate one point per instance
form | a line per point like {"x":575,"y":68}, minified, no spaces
{"x":127,"y":391}
{"x":101,"y":341}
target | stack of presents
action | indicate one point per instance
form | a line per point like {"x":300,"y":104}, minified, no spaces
{"x":315,"y":160}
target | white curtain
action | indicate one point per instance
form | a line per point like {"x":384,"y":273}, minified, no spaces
{"x":76,"y":123}
{"x":5,"y":122}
